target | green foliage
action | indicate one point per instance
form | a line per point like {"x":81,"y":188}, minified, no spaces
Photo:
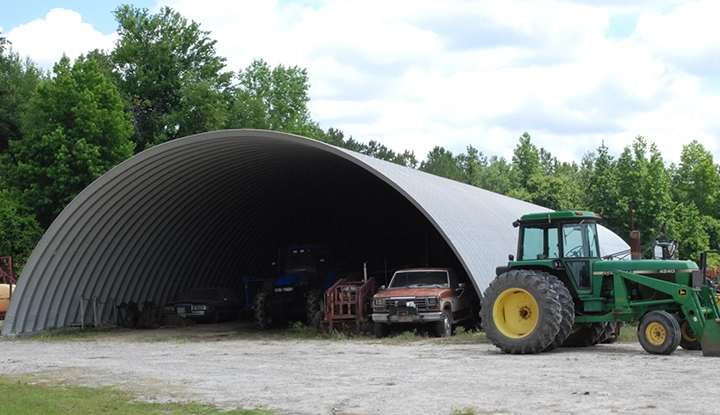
{"x":19,"y":231}
{"x":75,"y":130}
{"x":29,"y":395}
{"x":686,"y":225}
{"x":275,"y":99}
{"x":600,"y":176}
{"x":372,"y":149}
{"x":169,"y":74}
{"x":441,"y":162}
{"x":18,"y":80}
{"x":696,"y":179}
{"x":525,"y":163}
{"x":643,"y":178}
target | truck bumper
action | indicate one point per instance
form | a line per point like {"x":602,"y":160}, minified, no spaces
{"x":420,"y":317}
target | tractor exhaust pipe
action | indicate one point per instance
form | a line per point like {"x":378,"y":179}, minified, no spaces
{"x":635,"y":245}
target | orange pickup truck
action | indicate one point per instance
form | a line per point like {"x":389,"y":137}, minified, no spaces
{"x":424,"y":296}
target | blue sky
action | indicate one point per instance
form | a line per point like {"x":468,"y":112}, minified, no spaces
{"x":97,"y":12}
{"x":414,"y":75}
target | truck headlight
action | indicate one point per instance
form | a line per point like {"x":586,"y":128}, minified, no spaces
{"x":431,"y":301}
{"x":199,"y":307}
{"x":378,"y":302}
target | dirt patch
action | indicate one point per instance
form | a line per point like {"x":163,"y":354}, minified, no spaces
{"x":231,"y":365}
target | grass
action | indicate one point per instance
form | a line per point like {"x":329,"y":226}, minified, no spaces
{"x":628,"y":334}
{"x":25,"y":395}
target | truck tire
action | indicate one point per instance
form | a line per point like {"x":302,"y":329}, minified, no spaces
{"x":444,"y":327}
{"x":314,"y":304}
{"x":688,"y":338}
{"x":263,"y":319}
{"x":567,"y":311}
{"x":584,"y":335}
{"x":520,"y":312}
{"x":659,"y":332}
{"x":381,"y":330}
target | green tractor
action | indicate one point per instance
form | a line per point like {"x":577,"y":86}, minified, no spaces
{"x":559,"y":291}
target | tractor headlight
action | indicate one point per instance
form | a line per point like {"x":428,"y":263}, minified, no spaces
{"x":199,"y":307}
{"x":378,"y":302}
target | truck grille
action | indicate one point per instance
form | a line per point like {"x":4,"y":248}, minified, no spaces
{"x":420,"y":303}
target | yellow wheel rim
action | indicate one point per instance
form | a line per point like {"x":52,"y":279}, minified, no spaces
{"x":515,"y":313}
{"x":655,"y":333}
{"x":687,"y":332}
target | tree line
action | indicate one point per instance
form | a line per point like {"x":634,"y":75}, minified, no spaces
{"x":61,"y":130}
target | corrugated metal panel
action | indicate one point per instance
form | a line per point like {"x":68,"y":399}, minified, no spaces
{"x":208,"y":209}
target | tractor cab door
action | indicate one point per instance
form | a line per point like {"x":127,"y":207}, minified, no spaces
{"x":579,"y":245}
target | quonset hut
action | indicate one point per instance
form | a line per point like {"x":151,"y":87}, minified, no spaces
{"x":208,"y":209}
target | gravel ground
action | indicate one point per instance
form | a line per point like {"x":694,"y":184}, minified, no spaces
{"x":231,"y":366}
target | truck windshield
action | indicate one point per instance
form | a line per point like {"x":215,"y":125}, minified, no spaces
{"x":419,"y":278}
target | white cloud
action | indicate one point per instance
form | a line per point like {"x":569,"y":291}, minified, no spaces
{"x":416,"y":74}
{"x":62,"y":31}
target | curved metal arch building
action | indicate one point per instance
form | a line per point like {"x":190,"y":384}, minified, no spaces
{"x":206,"y":210}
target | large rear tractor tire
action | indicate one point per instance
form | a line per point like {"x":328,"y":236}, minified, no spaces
{"x":314,"y":304}
{"x":659,"y":332}
{"x":263,"y":319}
{"x":688,"y":338}
{"x":567,"y":310}
{"x":521,"y":312}
{"x":610,"y":334}
{"x":444,"y":327}
{"x":585,"y":335}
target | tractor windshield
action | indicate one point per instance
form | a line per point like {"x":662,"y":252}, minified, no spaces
{"x":580,"y":240}
{"x":558,"y":240}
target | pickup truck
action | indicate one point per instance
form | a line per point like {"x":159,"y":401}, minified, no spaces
{"x":424,"y":296}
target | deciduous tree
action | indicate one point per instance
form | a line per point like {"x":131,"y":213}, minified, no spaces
{"x":76,"y":129}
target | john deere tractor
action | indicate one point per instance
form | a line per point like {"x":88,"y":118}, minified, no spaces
{"x":560,"y":292}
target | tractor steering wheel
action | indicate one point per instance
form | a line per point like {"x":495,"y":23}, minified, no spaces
{"x":575,"y":252}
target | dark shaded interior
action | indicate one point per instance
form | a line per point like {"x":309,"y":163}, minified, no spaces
{"x":305,"y":196}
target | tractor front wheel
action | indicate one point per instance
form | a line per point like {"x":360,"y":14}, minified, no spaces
{"x":521,"y":312}
{"x":659,"y":332}
{"x":688,"y":338}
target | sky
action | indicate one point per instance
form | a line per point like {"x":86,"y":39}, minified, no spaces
{"x":415,"y":74}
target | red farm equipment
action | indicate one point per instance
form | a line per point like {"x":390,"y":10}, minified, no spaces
{"x":346,"y":302}
{"x":7,"y":283}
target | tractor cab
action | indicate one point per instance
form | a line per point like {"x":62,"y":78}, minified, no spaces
{"x":566,"y":242}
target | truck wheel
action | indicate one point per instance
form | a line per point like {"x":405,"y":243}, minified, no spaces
{"x":520,"y":312}
{"x":444,"y":327}
{"x":263,"y":320}
{"x":584,"y":335}
{"x":381,"y":330}
{"x":688,"y":338}
{"x":659,"y":332}
{"x":567,"y":310}
{"x":314,"y":304}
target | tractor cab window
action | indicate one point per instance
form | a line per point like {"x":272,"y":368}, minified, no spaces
{"x":580,"y":240}
{"x":540,"y":242}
